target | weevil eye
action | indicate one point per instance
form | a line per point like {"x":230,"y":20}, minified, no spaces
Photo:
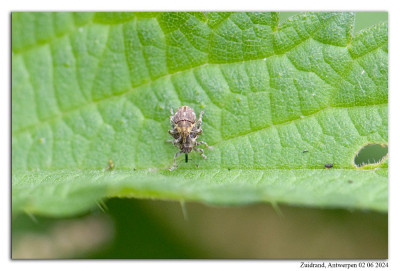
{"x":193,"y":135}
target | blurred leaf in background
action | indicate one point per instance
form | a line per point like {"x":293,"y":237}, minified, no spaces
{"x":146,"y":229}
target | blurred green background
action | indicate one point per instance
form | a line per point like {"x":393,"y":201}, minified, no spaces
{"x":146,"y":229}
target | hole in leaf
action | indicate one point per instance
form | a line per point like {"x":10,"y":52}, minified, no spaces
{"x":371,"y":154}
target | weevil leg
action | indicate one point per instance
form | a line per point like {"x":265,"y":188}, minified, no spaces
{"x":172,"y":132}
{"x":200,"y":120}
{"x":171,"y":118}
{"x":201,"y":152}
{"x":205,"y":144}
{"x":176,"y":141}
{"x":198,"y":131}
{"x":174,"y":165}
{"x":173,"y":141}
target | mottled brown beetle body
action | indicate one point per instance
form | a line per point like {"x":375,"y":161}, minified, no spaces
{"x":185,"y":130}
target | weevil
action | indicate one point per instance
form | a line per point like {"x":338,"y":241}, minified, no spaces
{"x":185,"y":130}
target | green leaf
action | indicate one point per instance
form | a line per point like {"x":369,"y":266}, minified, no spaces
{"x":281,"y":101}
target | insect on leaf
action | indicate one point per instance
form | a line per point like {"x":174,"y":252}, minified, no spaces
{"x":282,"y":99}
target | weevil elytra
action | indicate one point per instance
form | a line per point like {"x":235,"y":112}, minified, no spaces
{"x":185,"y":130}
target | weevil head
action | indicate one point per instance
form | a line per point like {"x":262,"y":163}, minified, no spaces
{"x":188,"y":144}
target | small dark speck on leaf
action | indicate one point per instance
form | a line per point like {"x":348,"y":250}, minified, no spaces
{"x":328,"y":165}
{"x":350,"y":181}
{"x":229,"y":169}
{"x":305,"y":151}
